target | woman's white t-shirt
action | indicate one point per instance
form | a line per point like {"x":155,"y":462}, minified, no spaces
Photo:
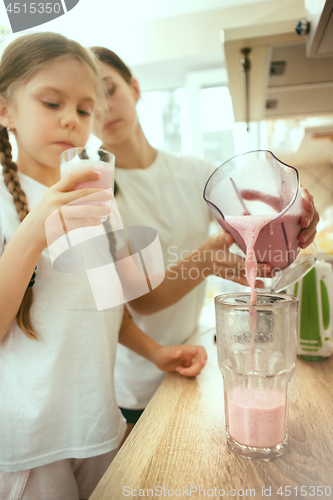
{"x":167,"y":196}
{"x":57,"y":397}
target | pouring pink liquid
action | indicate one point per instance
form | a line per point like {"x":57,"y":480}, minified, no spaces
{"x":256,"y":417}
{"x":249,"y":227}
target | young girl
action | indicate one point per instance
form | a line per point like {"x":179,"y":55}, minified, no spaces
{"x":60,"y":424}
{"x":164,"y":191}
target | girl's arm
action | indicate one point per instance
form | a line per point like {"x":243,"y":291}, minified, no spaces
{"x":188,"y":360}
{"x":21,"y":255}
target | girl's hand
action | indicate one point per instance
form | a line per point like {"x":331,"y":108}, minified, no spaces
{"x":75,"y":211}
{"x":188,"y":360}
{"x":216,"y":259}
{"x":309,"y":220}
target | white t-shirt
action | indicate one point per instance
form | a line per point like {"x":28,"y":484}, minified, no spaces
{"x":167,"y":196}
{"x":57,"y":397}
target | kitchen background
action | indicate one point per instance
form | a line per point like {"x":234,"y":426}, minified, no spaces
{"x":175,"y":50}
{"x":193,"y":87}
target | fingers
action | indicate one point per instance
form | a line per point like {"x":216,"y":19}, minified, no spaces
{"x":194,"y":359}
{"x":308,"y":241}
{"x":191,"y":350}
{"x":71,"y":224}
{"x":77,"y":223}
{"x":193,"y":370}
{"x":94,"y":196}
{"x":230,"y":261}
{"x":91,"y":194}
{"x":307,"y":200}
{"x":199,"y":351}
{"x":309,"y":220}
{"x":87,"y":195}
{"x":308,"y":208}
{"x":69,"y":182}
{"x":237,"y":274}
{"x":225,"y":239}
{"x":82,"y":211}
{"x":308,"y":234}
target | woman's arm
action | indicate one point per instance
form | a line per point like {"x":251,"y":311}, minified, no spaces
{"x":212,"y":257}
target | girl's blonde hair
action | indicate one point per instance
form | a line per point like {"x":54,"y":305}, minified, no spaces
{"x":20,"y":61}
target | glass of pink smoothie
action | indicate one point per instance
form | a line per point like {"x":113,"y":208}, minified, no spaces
{"x":257,"y":198}
{"x":95,"y":158}
{"x":256,"y":364}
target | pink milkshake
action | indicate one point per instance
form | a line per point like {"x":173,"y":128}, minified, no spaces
{"x":256,"y":418}
{"x":106,"y":180}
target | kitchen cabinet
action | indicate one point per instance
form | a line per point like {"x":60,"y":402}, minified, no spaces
{"x":283,"y":80}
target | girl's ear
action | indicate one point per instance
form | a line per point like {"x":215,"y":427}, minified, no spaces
{"x":6,"y":119}
{"x":136,"y":88}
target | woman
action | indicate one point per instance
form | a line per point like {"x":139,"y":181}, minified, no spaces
{"x":164,"y":191}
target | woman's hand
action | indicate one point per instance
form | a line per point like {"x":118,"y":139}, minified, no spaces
{"x":218,"y":260}
{"x":188,"y":360}
{"x":309,"y":220}
{"x":63,"y":209}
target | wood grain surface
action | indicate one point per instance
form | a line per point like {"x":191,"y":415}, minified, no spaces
{"x":179,"y":443}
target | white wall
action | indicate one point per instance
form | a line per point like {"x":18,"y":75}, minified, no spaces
{"x":168,"y":39}
{"x":196,"y":34}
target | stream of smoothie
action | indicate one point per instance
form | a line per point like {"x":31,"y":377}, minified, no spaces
{"x":256,"y":417}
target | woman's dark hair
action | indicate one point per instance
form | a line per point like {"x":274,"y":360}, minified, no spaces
{"x":106,"y":56}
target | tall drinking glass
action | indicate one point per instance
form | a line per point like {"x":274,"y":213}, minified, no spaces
{"x":257,"y":364}
{"x":95,"y":158}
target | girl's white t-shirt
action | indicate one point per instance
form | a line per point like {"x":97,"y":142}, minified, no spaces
{"x":57,"y":397}
{"x":167,"y":196}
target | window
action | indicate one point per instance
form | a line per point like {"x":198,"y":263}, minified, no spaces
{"x":160,"y":114}
{"x":196,"y":119}
{"x":216,"y":124}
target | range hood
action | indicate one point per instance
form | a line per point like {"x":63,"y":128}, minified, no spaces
{"x":283,"y":80}
{"x":319,"y":14}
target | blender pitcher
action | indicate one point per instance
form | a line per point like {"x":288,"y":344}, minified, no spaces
{"x":258,"y":184}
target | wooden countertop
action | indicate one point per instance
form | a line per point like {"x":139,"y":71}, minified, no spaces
{"x":180,"y":442}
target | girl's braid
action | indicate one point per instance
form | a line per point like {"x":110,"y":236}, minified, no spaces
{"x":9,"y":169}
